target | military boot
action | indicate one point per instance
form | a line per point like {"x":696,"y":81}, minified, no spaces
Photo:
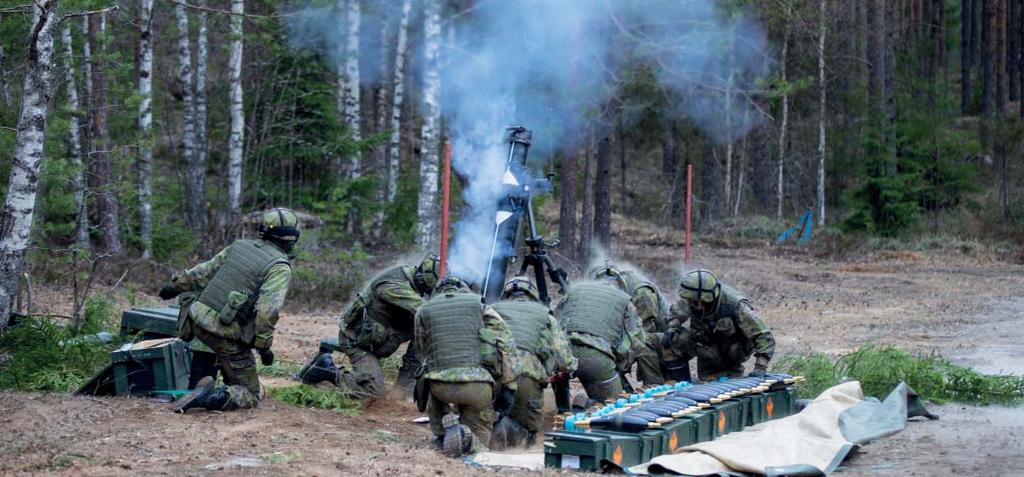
{"x":458,"y":439}
{"x":206,"y":395}
{"x":321,"y":369}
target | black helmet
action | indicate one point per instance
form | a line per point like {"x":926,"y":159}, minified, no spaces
{"x":426,"y":275}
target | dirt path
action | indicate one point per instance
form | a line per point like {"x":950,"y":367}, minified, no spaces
{"x":968,"y":308}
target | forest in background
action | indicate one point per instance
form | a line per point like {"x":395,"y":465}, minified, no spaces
{"x":166,"y":122}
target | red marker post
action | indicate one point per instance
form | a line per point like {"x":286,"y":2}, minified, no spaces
{"x":446,"y":186}
{"x":689,"y":194}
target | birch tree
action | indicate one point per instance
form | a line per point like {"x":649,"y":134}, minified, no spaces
{"x":145,"y":164}
{"x":785,"y":113}
{"x":397,"y":97}
{"x":237,"y":138}
{"x":5,"y":90}
{"x":348,"y":81}
{"x":431,"y":130}
{"x":821,"y":115}
{"x":194,"y":174}
{"x":23,"y":183}
{"x":75,"y":143}
{"x":202,"y":145}
{"x":102,"y":175}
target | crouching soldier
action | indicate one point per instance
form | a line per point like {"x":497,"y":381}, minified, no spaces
{"x":378,"y":321}
{"x":239,"y":294}
{"x":724,"y":330}
{"x":470,"y":367}
{"x":544,"y":354}
{"x":606,"y":336}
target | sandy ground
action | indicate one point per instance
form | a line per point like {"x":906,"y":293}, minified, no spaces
{"x":969,"y":308}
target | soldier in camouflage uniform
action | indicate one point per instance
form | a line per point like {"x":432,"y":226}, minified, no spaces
{"x":470,"y":364}
{"x":239,"y":294}
{"x":646,"y":299}
{"x":606,"y":336}
{"x":544,"y":354}
{"x":724,"y":329}
{"x":378,"y":321}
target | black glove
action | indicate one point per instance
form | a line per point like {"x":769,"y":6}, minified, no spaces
{"x":167,"y":292}
{"x":503,"y":403}
{"x":266,"y":357}
{"x":758,"y":372}
{"x":667,"y":338}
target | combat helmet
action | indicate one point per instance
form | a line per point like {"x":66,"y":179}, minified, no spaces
{"x":281,"y":226}
{"x":426,"y":275}
{"x":610,"y":273}
{"x":700,"y":285}
{"x":451,"y":284}
{"x":520,"y":285}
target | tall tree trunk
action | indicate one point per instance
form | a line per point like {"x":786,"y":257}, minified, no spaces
{"x":603,"y":194}
{"x":785,"y":116}
{"x":567,"y":206}
{"x":86,"y":95}
{"x":889,"y":93}
{"x":145,"y":165}
{"x":348,"y":80}
{"x":966,"y":59}
{"x":75,"y":144}
{"x":236,"y":141}
{"x":821,"y":114}
{"x":380,"y":126}
{"x":624,"y":193}
{"x":587,"y":221}
{"x":741,"y":168}
{"x":1000,"y":39}
{"x":1013,"y":43}
{"x":106,"y":203}
{"x":5,"y":89}
{"x":729,"y":141}
{"x":23,"y":184}
{"x":669,"y":159}
{"x":195,"y":191}
{"x":202,"y":56}
{"x":430,"y":133}
{"x":1020,"y":59}
{"x":988,"y":100}
{"x":397,"y":97}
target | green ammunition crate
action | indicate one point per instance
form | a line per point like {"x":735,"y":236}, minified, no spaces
{"x":150,"y":323}
{"x":726,"y":418}
{"x":146,"y":366}
{"x":744,"y":403}
{"x":704,"y":425}
{"x":675,"y":435}
{"x":756,"y":409}
{"x":575,"y":450}
{"x":779,"y":404}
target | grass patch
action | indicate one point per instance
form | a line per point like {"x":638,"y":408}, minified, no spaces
{"x":33,"y":358}
{"x":281,"y":457}
{"x":302,"y":395}
{"x":880,"y":368}
{"x":280,"y":369}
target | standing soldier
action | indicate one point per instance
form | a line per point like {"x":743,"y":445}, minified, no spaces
{"x":544,"y":354}
{"x":239,"y":294}
{"x":606,"y":336}
{"x":470,"y":364}
{"x":646,"y":299}
{"x":724,"y":330}
{"x":377,"y":322}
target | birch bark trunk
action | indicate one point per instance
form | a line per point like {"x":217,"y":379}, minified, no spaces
{"x":348,"y":81}
{"x":785,"y":118}
{"x":398,"y":96}
{"x":237,"y":139}
{"x":380,"y":126}
{"x":194,"y":175}
{"x":145,"y":165}
{"x":75,"y":144}
{"x":5,"y":90}
{"x":821,"y":115}
{"x":430,"y":131}
{"x":106,"y":203}
{"x":23,"y":184}
{"x":202,"y":56}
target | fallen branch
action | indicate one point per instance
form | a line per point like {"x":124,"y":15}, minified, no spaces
{"x":91,"y":12}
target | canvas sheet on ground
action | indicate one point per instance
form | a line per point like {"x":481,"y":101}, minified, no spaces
{"x":810,"y":443}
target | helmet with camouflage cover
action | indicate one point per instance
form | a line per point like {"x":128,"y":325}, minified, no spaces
{"x":451,"y":284}
{"x":426,"y":275}
{"x":281,"y":226}
{"x":611,"y":274}
{"x":700,"y":288}
{"x":520,"y":285}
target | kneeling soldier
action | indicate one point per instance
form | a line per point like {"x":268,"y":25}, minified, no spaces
{"x":239,"y":294}
{"x":470,"y":367}
{"x":544,"y":354}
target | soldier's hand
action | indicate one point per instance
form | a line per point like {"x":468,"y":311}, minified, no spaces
{"x":168,"y":292}
{"x":266,"y":357}
{"x":667,"y":338}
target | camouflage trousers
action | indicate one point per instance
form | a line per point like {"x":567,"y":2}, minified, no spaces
{"x":368,"y":376}
{"x":528,"y":408}
{"x":473,"y":402}
{"x":716,"y":361}
{"x":238,"y":366}
{"x":648,"y":361}
{"x":597,"y":372}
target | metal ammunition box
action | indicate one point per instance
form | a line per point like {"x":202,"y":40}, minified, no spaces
{"x":675,"y":435}
{"x":150,"y":323}
{"x":575,"y":450}
{"x":756,"y":409}
{"x":726,"y":417}
{"x":146,"y":366}
{"x":780,"y":403}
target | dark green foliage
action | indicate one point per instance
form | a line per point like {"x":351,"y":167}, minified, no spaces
{"x":35,"y":360}
{"x":880,"y":368}
{"x":303,"y":395}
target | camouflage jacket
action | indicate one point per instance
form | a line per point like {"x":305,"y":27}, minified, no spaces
{"x":260,"y":332}
{"x":648,"y":308}
{"x":399,"y":297}
{"x":746,"y":326}
{"x":554,"y":354}
{"x":505,"y":355}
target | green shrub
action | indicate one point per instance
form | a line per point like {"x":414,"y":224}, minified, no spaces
{"x":280,"y":369}
{"x":302,"y":395}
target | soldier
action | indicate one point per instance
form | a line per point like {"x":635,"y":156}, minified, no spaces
{"x":646,"y":299}
{"x":724,"y":330}
{"x":234,"y":308}
{"x":544,"y":354}
{"x":377,"y":322}
{"x":470,"y":364}
{"x":606,"y":336}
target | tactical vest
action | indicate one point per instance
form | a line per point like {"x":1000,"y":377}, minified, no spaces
{"x":634,"y":283}
{"x":453,"y":322}
{"x":380,"y":311}
{"x":526,"y":319}
{"x":595,"y":309}
{"x":243,"y":270}
{"x":729,"y":302}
